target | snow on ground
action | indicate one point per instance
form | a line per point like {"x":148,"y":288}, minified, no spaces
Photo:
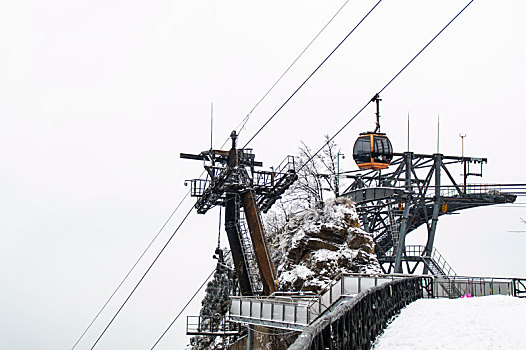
{"x":298,"y":271}
{"x":492,"y":322}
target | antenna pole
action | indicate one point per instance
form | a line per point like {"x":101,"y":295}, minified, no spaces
{"x":219,"y":233}
{"x":438,"y":133}
{"x":407,"y":131}
{"x":463,"y":161}
{"x":211,"y":124}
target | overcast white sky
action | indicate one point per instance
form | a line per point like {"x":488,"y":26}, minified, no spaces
{"x":98,"y":98}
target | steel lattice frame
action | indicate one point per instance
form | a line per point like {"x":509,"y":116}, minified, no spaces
{"x":393,"y":203}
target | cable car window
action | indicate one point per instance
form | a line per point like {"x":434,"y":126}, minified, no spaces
{"x":388,"y":146}
{"x":388,"y":150}
{"x":378,"y":149}
{"x":379,"y":145}
{"x":362,"y":150}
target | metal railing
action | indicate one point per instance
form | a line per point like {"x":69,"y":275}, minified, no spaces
{"x":417,"y":251}
{"x":519,"y":288}
{"x":263,"y":178}
{"x":348,"y":285}
{"x":298,"y":312}
{"x":478,"y":286}
{"x":452,"y":191}
{"x":355,"y":325}
{"x":197,"y":325}
{"x":286,"y":165}
{"x":271,"y":178}
{"x":279,"y":312}
{"x":438,"y":259}
{"x":197,"y":186}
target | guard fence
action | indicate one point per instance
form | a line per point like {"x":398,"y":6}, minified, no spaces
{"x":458,"y":286}
{"x":357,"y":323}
{"x":355,"y":308}
{"x":297,"y":312}
{"x":198,"y":325}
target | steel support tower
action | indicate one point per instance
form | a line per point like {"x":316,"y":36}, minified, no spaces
{"x":416,"y":190}
{"x":233,"y":182}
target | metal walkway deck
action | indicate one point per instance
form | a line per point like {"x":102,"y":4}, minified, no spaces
{"x":297,"y":312}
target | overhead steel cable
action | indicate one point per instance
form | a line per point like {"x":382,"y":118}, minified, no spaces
{"x":382,"y":89}
{"x":425,"y":47}
{"x":182,"y":310}
{"x":244,"y":121}
{"x":142,"y":278}
{"x":130,"y":271}
{"x":346,"y":124}
{"x":314,"y":72}
{"x":136,"y":263}
{"x":133,"y":267}
{"x":191,"y":299}
{"x":241,"y":125}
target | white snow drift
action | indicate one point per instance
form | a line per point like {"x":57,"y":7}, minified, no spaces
{"x":492,"y":322}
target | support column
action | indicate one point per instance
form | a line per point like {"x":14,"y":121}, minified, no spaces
{"x":232,"y":230}
{"x":259,"y":242}
{"x":436,"y":210}
{"x":408,"y":159}
{"x":365,"y":221}
{"x":250,"y":337}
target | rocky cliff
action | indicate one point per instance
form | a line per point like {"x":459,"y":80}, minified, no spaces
{"x":309,"y":251}
{"x":321,"y":243}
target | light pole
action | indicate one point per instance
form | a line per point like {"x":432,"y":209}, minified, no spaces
{"x":463,"y":161}
{"x":462,"y":137}
{"x":337,"y":182}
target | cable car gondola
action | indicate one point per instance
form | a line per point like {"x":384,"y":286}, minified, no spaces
{"x":373,"y":150}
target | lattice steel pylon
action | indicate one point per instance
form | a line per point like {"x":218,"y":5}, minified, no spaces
{"x":233,"y":182}
{"x":393,"y":203}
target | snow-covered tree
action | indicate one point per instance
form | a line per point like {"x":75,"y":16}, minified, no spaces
{"x":318,"y":179}
{"x":317,"y":174}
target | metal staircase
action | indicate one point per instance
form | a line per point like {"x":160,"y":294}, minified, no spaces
{"x":273,"y":184}
{"x":248,"y":249}
{"x":394,"y":228}
{"x":436,"y":265}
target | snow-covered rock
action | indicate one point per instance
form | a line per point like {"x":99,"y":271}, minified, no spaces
{"x":321,"y":243}
{"x":309,"y":251}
